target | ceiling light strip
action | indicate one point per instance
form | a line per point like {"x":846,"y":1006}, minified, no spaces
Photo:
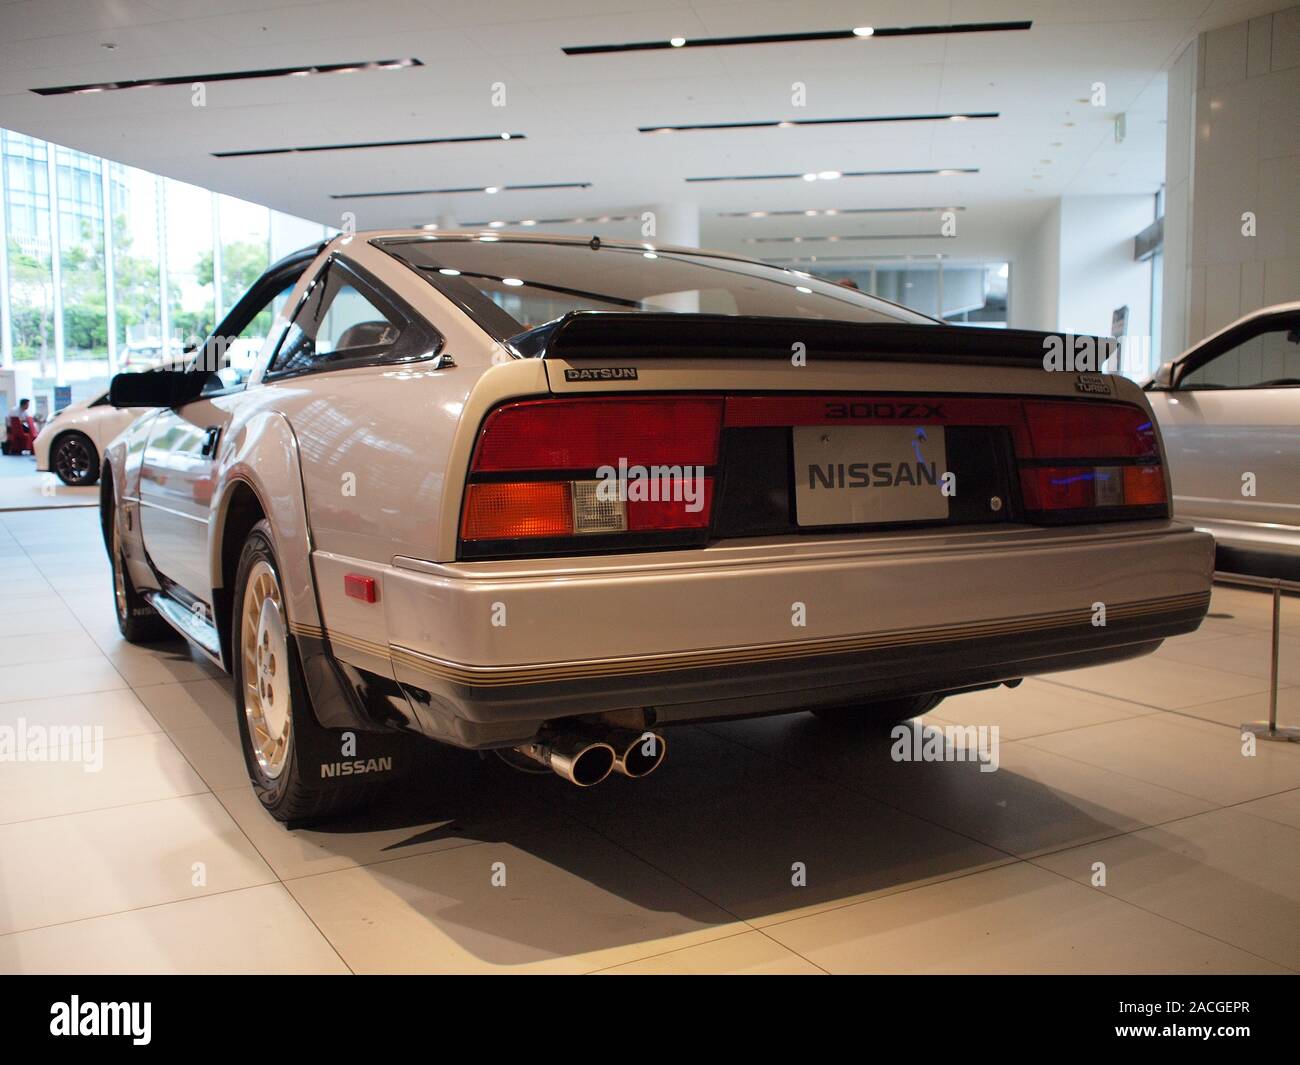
{"x":476,"y":138}
{"x":471,"y":188}
{"x":859,"y":33}
{"x":946,"y":171}
{"x":960,"y":116}
{"x":231,"y":75}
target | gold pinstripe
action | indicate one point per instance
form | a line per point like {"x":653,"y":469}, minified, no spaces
{"x":488,"y":676}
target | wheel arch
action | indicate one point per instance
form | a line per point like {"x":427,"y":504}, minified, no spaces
{"x":260,"y":476}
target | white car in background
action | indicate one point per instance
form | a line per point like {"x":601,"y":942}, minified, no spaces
{"x":73,"y":440}
{"x":1229,"y":411}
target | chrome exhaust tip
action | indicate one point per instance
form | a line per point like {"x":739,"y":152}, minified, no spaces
{"x":636,"y":754}
{"x":578,"y":759}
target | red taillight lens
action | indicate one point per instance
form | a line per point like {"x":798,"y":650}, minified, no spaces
{"x":1091,"y":487}
{"x":584,"y":434}
{"x":1098,"y":443}
{"x":687,"y":507}
{"x":594,"y":469}
{"x":1088,"y":430}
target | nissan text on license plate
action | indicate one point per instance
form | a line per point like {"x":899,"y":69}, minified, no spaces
{"x":868,"y":474}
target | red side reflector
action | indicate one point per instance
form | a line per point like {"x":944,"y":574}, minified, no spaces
{"x":357,"y":587}
{"x":585,"y":434}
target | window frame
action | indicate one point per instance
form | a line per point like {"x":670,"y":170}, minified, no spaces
{"x":1225,"y":343}
{"x":418,"y":340}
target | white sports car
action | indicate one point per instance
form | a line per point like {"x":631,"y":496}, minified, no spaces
{"x":1229,"y":409}
{"x":70,"y":443}
{"x":549,"y":496}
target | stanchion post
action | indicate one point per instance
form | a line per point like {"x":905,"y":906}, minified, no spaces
{"x":1268,"y":730}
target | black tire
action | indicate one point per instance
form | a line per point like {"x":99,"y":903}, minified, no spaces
{"x":287,"y":784}
{"x":73,"y":459}
{"x":880,"y":715}
{"x":136,"y":619}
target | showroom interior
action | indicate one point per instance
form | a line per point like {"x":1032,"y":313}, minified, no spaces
{"x":1124,"y":170}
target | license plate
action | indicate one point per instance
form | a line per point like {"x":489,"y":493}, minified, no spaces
{"x":868,"y":474}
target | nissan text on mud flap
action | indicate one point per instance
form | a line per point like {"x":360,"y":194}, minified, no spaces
{"x":399,"y":527}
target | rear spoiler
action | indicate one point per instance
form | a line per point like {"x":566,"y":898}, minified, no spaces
{"x":641,"y":335}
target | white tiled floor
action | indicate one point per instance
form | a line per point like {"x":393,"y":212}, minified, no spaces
{"x":163,"y":861}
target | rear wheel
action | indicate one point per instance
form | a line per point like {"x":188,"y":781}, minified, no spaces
{"x":136,"y":619}
{"x":74,"y":459}
{"x":879,"y":715}
{"x":271,"y":695}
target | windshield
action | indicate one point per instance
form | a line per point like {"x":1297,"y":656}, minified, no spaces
{"x":534,"y":282}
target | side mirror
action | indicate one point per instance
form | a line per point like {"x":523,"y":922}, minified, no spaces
{"x":1164,"y":377}
{"x":154,"y":388}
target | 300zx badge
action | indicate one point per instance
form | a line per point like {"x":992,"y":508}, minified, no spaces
{"x":883,"y":410}
{"x":602,"y":373}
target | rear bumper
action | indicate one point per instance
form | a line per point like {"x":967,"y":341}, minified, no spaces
{"x":488,"y":651}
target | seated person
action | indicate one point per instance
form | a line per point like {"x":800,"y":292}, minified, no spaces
{"x":22,"y":429}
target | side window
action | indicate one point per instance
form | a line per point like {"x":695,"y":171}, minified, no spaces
{"x":345,"y":321}
{"x":1267,"y":360}
{"x":231,"y":358}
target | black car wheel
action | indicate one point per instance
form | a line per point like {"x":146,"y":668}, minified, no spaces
{"x":74,"y":459}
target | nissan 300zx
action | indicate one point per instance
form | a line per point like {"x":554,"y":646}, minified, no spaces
{"x":550,"y":497}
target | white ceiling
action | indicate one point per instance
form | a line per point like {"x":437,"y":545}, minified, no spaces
{"x":580,"y":114}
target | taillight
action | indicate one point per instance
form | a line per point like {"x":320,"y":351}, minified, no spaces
{"x":1097,"y":457}
{"x":593,"y":474}
{"x":1069,"y":430}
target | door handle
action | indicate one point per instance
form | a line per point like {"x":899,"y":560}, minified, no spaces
{"x":209,"y":448}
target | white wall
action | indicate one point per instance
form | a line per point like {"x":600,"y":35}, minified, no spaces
{"x":1098,"y":273}
{"x":1035,"y":271}
{"x":1233,"y":148}
{"x":1077,"y":268}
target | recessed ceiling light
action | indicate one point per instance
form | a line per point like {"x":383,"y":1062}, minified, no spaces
{"x":864,"y":31}
{"x":677,"y":42}
{"x":529,"y":222}
{"x":829,"y":175}
{"x":492,"y":189}
{"x":513,"y":282}
{"x":810,"y":177}
{"x":497,"y":225}
{"x":505,"y":136}
{"x":449,"y":272}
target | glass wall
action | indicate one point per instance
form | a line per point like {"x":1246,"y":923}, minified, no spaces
{"x":959,"y":293}
{"x":106,"y":267}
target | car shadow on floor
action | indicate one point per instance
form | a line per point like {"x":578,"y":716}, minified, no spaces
{"x":759,"y":820}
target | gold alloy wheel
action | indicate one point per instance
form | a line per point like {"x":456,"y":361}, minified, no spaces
{"x":265,"y":649}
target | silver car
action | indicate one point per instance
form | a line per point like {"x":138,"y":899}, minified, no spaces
{"x":1229,"y":411}
{"x":548,"y":497}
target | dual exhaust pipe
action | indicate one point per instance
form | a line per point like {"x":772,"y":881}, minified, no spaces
{"x":585,"y":755}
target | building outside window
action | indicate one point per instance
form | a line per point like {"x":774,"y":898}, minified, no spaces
{"x":106,"y":267}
